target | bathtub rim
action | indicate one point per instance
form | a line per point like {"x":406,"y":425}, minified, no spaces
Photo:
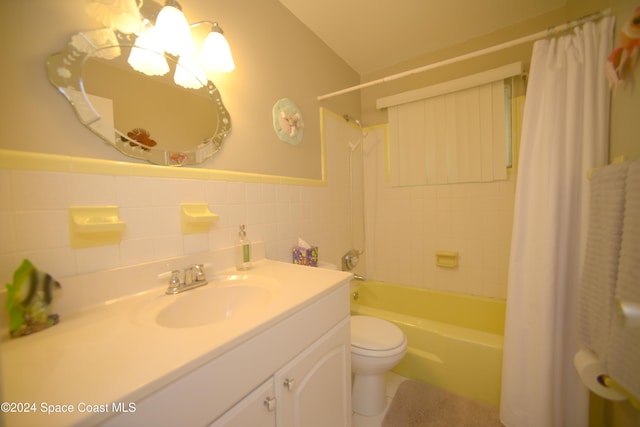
{"x":444,"y":329}
{"x":494,"y":303}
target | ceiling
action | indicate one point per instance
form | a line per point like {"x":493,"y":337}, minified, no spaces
{"x":371,"y":35}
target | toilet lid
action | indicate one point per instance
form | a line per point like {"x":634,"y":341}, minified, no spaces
{"x":374,"y":334}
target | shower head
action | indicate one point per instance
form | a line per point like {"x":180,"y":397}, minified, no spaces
{"x":355,"y":144}
{"x":348,"y":119}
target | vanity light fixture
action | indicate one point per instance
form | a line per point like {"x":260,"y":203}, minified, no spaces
{"x":147,"y":55}
{"x":216,"y":56}
{"x":189,"y":74}
{"x":171,"y":35}
{"x":175,"y":35}
{"x":174,"y":31}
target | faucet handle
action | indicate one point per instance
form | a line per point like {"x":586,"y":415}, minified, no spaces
{"x":188,"y":275}
{"x":199,"y":272}
{"x":175,"y":278}
{"x":174,"y":282}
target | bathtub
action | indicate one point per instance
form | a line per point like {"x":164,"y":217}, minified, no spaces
{"x":454,"y":341}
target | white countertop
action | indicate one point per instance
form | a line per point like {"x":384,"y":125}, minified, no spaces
{"x":109,"y":354}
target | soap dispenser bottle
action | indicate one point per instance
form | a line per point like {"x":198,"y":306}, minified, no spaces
{"x":243,"y":250}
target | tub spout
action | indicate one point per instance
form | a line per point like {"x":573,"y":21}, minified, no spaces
{"x":359,"y":277}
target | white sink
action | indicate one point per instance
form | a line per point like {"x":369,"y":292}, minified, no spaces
{"x":221,"y":299}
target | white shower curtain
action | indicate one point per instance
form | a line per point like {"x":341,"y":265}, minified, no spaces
{"x":565,"y":133}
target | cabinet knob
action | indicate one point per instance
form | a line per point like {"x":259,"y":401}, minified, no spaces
{"x":289,"y":383}
{"x":270,"y":403}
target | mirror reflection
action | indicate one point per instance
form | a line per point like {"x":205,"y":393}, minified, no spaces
{"x":146,"y":117}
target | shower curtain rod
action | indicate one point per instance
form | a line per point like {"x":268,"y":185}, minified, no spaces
{"x":532,"y":37}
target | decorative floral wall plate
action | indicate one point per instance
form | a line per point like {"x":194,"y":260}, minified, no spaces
{"x":287,"y":121}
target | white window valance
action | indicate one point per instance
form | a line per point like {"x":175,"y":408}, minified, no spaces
{"x":438,"y":135}
{"x":450,"y":86}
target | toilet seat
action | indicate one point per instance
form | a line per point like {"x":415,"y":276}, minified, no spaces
{"x":375,"y":337}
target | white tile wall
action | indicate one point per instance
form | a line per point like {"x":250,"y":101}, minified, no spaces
{"x":409,"y":224}
{"x":405,"y":226}
{"x":34,"y":218}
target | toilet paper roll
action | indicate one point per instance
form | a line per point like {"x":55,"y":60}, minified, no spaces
{"x":590,"y":370}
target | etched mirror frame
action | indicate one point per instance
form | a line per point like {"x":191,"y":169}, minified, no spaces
{"x":182,"y":146}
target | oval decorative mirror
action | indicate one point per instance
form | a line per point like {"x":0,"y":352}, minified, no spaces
{"x":145,"y":117}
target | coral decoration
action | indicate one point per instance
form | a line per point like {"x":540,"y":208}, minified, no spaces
{"x":623,"y":57}
{"x":178,"y":158}
{"x":290,"y":123}
{"x":287,"y":121}
{"x":141,"y":136}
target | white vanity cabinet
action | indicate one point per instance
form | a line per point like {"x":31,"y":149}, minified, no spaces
{"x":314,"y":389}
{"x":299,"y":364}
{"x":256,"y":410}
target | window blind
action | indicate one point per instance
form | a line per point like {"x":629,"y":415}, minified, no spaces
{"x":450,"y":138}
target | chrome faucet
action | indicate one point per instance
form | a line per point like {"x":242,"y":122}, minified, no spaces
{"x":349,"y":262}
{"x":193,"y":277}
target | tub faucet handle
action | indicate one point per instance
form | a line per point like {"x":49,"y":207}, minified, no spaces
{"x":350,"y":260}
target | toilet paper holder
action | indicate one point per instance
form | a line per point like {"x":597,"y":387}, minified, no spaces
{"x":591,"y":373}
{"x":609,"y":382}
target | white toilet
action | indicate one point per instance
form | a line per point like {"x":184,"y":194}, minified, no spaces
{"x":376,"y":347}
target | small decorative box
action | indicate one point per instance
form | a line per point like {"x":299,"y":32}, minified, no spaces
{"x":305,"y":256}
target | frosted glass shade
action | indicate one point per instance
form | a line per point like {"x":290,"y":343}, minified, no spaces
{"x":173,"y":30}
{"x":189,"y":74}
{"x":216,"y":54}
{"x":147,"y":55}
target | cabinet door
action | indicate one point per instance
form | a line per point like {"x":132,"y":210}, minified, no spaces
{"x":255,"y":410}
{"x":314,"y":389}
